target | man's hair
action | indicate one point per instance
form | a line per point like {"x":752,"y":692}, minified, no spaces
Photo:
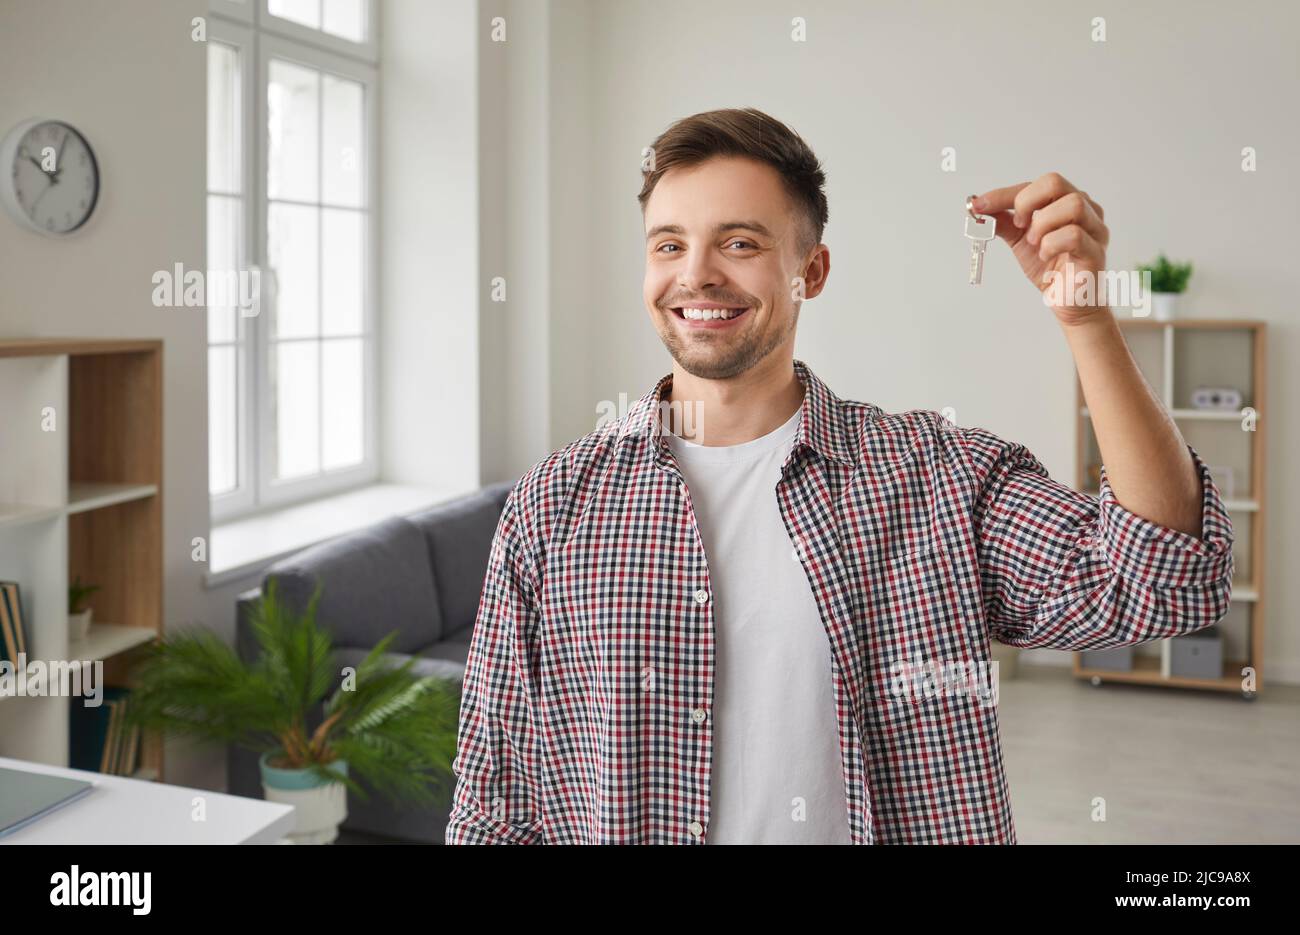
{"x":753,"y":134}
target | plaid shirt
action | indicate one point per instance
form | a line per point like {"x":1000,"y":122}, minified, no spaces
{"x":592,"y":658}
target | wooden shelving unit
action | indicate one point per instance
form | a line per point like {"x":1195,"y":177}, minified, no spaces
{"x":1176,"y":357}
{"x":80,"y":495}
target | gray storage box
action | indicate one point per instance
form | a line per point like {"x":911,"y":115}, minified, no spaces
{"x":1198,"y":655}
{"x":1119,"y":659}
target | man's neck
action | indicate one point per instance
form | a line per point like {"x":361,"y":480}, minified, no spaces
{"x":739,"y":409}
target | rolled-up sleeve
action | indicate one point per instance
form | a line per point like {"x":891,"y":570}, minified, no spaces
{"x":495,"y":800}
{"x":1065,"y":570}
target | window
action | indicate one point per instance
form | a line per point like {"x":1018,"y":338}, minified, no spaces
{"x":291,"y":157}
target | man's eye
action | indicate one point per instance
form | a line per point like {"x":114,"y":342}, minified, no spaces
{"x":741,"y":243}
{"x":662,"y":247}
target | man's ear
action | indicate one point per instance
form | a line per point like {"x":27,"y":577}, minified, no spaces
{"x":815,"y":270}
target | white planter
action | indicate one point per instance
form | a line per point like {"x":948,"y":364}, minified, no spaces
{"x":79,"y":625}
{"x":318,"y":807}
{"x":1164,"y":305}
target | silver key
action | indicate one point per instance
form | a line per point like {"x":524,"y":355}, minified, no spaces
{"x":980,"y":229}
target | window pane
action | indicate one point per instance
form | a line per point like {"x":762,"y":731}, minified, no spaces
{"x":344,"y":402}
{"x":223,"y":118}
{"x":223,"y":258}
{"x":297,"y":409}
{"x":292,"y":237}
{"x":293,"y":132}
{"x":343,"y":255}
{"x":346,"y":18}
{"x":306,"y":12}
{"x":342,"y":163}
{"x":223,"y":420}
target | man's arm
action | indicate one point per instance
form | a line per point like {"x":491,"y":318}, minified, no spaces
{"x":1151,"y":557}
{"x":1058,"y":235}
{"x":1062,"y":570}
{"x":496,"y":797}
{"x":1146,"y":458}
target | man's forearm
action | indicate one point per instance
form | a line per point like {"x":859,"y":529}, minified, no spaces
{"x":1147,"y":462}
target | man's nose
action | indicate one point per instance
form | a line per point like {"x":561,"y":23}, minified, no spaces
{"x":700,"y":272}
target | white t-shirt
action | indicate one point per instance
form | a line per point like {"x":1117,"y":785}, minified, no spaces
{"x":777,"y":777}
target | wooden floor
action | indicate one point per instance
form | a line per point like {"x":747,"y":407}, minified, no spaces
{"x":1174,"y":766}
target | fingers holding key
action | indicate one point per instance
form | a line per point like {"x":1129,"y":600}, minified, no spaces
{"x":999,"y":203}
{"x":1072,"y":209}
{"x":1074,"y":240}
{"x":1031,"y":210}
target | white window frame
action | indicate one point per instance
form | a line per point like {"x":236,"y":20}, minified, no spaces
{"x":243,"y":499}
{"x":367,"y":50}
{"x":281,"y":39}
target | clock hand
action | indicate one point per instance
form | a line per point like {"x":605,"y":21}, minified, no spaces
{"x":58,"y":157}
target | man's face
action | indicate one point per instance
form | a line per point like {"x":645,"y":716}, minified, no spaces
{"x":723,"y":237}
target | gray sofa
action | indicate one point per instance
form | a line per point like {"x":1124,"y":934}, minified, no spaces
{"x":421,"y":575}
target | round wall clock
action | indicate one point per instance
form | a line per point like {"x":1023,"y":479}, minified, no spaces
{"x":50,"y":179}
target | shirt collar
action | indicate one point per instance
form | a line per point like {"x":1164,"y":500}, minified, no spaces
{"x":821,"y":427}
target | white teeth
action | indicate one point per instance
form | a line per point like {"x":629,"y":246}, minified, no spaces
{"x":705,"y":314}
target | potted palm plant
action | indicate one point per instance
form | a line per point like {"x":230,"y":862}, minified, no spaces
{"x":1168,"y":281}
{"x":382,"y":722}
{"x":78,"y":613}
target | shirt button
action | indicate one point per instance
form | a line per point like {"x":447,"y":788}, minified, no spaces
{"x":698,"y":715}
{"x":695,"y":828}
{"x":701,"y":596}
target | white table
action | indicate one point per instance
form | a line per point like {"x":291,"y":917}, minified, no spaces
{"x":120,"y":810}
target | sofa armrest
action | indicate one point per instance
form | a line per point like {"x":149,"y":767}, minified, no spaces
{"x":245,"y":641}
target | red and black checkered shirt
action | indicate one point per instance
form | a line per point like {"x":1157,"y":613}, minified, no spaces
{"x":593,"y":650}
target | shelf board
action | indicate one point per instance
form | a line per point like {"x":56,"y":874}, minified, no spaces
{"x":83,"y":496}
{"x":1208,"y":415}
{"x":108,"y":639}
{"x":1203,"y":415}
{"x":14,"y":514}
{"x":1146,"y":671}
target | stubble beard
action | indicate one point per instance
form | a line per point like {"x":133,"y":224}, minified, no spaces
{"x":722,"y":360}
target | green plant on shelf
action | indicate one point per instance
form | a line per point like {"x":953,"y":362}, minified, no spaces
{"x":77,"y":594}
{"x":1167,"y":276}
{"x":392,"y":727}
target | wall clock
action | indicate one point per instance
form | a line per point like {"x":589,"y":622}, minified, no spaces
{"x":50,"y":180}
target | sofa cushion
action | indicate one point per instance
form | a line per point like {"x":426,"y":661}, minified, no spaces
{"x":459,"y":536}
{"x":373,"y":581}
{"x":442,"y":668}
{"x":456,"y":651}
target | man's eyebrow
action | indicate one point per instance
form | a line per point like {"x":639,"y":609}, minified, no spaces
{"x":755,"y":226}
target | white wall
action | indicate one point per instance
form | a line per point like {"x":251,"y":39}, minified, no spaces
{"x":134,"y":83}
{"x":430,"y":268}
{"x":1150,"y":122}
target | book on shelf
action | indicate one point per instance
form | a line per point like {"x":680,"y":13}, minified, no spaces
{"x":13,"y":640}
{"x":98,"y":738}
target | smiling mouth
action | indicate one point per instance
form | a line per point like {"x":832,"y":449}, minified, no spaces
{"x":705,"y":316}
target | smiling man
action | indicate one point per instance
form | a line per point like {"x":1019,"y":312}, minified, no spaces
{"x":713,"y":637}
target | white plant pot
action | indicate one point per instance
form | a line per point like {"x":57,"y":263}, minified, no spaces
{"x":79,"y":625}
{"x":318,"y":807}
{"x":1164,"y":305}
